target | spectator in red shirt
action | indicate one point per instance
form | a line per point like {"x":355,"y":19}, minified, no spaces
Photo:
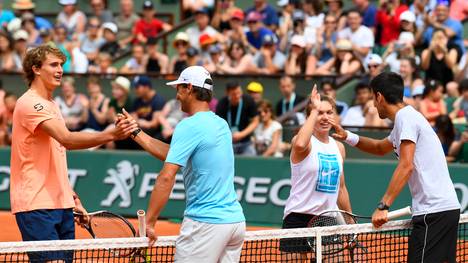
{"x":388,"y":20}
{"x":149,"y":26}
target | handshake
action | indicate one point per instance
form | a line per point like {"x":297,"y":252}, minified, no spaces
{"x":125,"y":125}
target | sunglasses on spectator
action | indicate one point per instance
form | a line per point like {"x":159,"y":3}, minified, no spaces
{"x":373,"y":66}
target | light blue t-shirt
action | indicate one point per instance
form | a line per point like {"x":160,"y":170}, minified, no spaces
{"x":202,"y":146}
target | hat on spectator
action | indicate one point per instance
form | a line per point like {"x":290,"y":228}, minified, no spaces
{"x":195,"y":75}
{"x":20,"y":35}
{"x":111,"y":26}
{"x":443,"y":2}
{"x":27,"y":16}
{"x":344,"y":44}
{"x":298,"y":40}
{"x":298,"y":15}
{"x":238,"y":14}
{"x":418,"y":90}
{"x":254,"y":16}
{"x":214,"y":49}
{"x":181,"y":36}
{"x":269,"y":39}
{"x":202,"y":10}
{"x":192,"y":52}
{"x":405,"y":37}
{"x":255,"y":87}
{"x":14,"y":25}
{"x":142,"y":80}
{"x":373,"y":59}
{"x":408,"y":16}
{"x":282,"y":3}
{"x":122,"y":82}
{"x":148,"y":4}
{"x":23,"y":5}
{"x":44,"y":32}
{"x":206,"y":39}
{"x":67,"y":2}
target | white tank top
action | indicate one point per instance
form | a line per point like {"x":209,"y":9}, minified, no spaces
{"x":315,"y":181}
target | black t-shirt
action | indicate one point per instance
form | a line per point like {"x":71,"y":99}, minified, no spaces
{"x":284,"y":106}
{"x":247,"y":112}
{"x":113,"y":48}
{"x":153,"y":66}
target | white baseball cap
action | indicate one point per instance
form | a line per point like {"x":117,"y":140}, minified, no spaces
{"x":298,"y":40}
{"x":195,"y":75}
{"x":21,"y":34}
{"x":123,"y":82}
{"x":111,"y":26}
{"x":408,"y":16}
{"x":67,"y":2}
{"x":373,"y":59}
{"x":406,"y":37}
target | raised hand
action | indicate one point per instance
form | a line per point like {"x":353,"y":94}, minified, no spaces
{"x":315,"y":98}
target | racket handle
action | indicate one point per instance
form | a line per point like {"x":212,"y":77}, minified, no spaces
{"x":399,"y":213}
{"x":141,"y":222}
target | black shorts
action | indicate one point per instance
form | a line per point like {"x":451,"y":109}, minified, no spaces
{"x":434,"y":237}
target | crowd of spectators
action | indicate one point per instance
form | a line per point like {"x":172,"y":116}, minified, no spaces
{"x":421,"y":39}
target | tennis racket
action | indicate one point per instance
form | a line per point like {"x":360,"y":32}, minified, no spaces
{"x":336,"y":243}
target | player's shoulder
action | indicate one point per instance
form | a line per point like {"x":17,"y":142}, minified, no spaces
{"x":31,"y":102}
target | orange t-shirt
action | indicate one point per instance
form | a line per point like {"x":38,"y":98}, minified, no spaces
{"x":39,"y":176}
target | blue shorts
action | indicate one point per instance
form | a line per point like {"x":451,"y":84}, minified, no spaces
{"x":47,"y":224}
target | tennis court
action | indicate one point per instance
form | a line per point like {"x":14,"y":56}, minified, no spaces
{"x":348,"y":243}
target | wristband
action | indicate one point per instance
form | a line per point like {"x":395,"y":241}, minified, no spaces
{"x":135,"y":133}
{"x":352,"y":138}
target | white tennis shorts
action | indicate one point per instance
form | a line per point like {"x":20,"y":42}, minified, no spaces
{"x":209,"y":243}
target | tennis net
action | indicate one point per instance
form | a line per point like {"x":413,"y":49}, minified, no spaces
{"x":344,"y":243}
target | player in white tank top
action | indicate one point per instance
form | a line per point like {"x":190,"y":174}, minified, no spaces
{"x":317,"y":164}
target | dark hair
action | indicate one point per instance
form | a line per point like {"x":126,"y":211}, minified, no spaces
{"x":202,"y":94}
{"x":236,"y":43}
{"x":412,"y":62}
{"x":362,"y":85}
{"x":231,"y":85}
{"x":463,"y":85}
{"x":390,"y":85}
{"x":317,"y":5}
{"x":266,"y":105}
{"x":354,"y":10}
{"x":445,"y":129}
{"x":329,"y":83}
{"x":431,"y":85}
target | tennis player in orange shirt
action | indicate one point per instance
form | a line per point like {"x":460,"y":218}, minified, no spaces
{"x":41,"y":196}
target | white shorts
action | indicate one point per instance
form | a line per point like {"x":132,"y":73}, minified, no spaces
{"x":210,"y":243}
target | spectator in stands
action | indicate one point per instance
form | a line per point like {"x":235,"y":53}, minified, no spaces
{"x":169,"y":117}
{"x":121,"y":99}
{"x":257,"y":31}
{"x":5,"y":16}
{"x":255,"y":90}
{"x":457,"y":146}
{"x":410,"y":74}
{"x":268,"y":59}
{"x":421,"y":9}
{"x":402,"y":48}
{"x":156,"y":62}
{"x":459,"y":113}
{"x":296,"y":26}
{"x":6,"y":118}
{"x":72,"y":19}
{"x":29,"y":25}
{"x":368,"y":12}
{"x":268,"y":134}
{"x":191,"y":7}
{"x":288,"y":101}
{"x":21,"y":7}
{"x":453,"y":29}
{"x":20,"y":46}
{"x":147,"y":105}
{"x":63,"y":44}
{"x":355,"y":116}
{"x":240,"y":112}
{"x":193,"y":57}
{"x":313,"y":15}
{"x":452,"y":93}
{"x":268,"y":13}
{"x":149,"y":26}
{"x":202,"y":26}
{"x":433,"y":104}
{"x":99,"y":9}
{"x":361,"y":37}
{"x":439,"y":60}
{"x":344,"y":62}
{"x":408,"y":24}
{"x":223,"y":14}
{"x":206,"y":41}
{"x":236,"y":29}
{"x":446,"y":132}
{"x":110,"y":46}
{"x":329,"y":90}
{"x":125,"y":22}
{"x":97,"y":115}
{"x":459,"y":10}
{"x":73,"y":106}
{"x":238,"y":60}
{"x":216,"y":57}
{"x":136,"y":64}
{"x":179,"y":60}
{"x":299,"y":62}
{"x":46,"y":36}
{"x":326,"y":42}
{"x":7,"y":61}
{"x":388,"y":21}
{"x":103,"y":65}
{"x":91,"y":42}
{"x":335,"y":8}
{"x":374,"y":66}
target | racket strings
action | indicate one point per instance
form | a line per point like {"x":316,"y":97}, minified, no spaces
{"x":109,"y":226}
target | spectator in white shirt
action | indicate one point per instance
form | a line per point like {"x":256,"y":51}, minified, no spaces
{"x":360,"y":36}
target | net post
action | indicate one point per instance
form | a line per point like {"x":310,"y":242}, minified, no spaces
{"x":318,"y":249}
{"x":141,"y":223}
